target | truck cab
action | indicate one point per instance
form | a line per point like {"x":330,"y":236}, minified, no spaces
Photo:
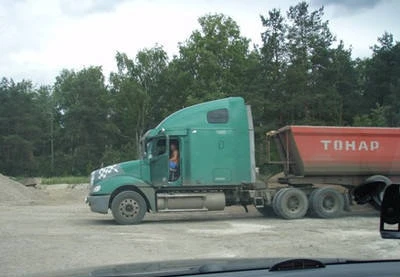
{"x":215,"y":144}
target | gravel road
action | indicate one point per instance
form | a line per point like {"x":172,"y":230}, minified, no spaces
{"x":61,"y":233}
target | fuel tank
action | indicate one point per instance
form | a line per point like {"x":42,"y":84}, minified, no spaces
{"x":207,"y":201}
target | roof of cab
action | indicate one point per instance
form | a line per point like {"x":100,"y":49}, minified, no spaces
{"x":193,"y":116}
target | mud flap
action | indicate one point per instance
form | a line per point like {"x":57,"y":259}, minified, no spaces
{"x":348,"y":202}
{"x":371,"y":191}
{"x":390,"y":213}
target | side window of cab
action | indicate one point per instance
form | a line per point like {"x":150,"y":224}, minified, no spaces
{"x":218,"y":116}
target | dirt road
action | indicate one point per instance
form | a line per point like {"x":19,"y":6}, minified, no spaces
{"x":62,"y":233}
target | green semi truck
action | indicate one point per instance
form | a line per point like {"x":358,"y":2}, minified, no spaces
{"x":216,"y":168}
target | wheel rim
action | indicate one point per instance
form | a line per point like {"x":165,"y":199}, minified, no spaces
{"x":329,"y":203}
{"x":293,"y":203}
{"x":129,"y":208}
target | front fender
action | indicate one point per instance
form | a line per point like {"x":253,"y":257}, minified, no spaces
{"x":372,"y":190}
{"x":122,"y":182}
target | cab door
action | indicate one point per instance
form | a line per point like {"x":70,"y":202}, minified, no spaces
{"x":159,"y":161}
{"x":175,"y":175}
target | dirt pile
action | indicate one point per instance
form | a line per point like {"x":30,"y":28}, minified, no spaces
{"x":12,"y":192}
{"x":65,"y":193}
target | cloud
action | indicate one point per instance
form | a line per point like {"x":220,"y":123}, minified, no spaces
{"x":83,"y":7}
{"x":349,"y":5}
{"x":24,"y":25}
{"x":40,"y":37}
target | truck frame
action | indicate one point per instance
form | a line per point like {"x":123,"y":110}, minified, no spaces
{"x":217,"y":169}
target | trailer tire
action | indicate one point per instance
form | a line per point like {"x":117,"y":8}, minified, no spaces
{"x":326,"y":203}
{"x":128,"y":207}
{"x":290,"y":203}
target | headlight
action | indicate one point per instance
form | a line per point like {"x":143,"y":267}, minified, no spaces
{"x":92,"y":178}
{"x":96,"y":188}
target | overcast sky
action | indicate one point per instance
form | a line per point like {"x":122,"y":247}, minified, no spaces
{"x":38,"y":38}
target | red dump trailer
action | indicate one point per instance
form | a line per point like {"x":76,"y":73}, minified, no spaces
{"x":321,"y":161}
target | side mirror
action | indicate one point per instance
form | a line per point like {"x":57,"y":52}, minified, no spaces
{"x":390,"y":213}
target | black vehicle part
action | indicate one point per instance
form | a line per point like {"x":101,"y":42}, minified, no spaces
{"x":390,"y":212}
{"x":266,"y":211}
{"x":290,"y":203}
{"x":371,"y":191}
{"x":348,"y":201}
{"x":326,"y":203}
{"x":297,"y":264}
{"x":128,"y":207}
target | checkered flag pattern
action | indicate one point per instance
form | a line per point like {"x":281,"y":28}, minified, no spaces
{"x":105,"y":171}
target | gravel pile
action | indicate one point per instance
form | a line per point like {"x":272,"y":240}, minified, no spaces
{"x":14,"y":192}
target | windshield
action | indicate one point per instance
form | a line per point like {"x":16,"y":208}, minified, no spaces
{"x":155,"y":147}
{"x":274,"y":130}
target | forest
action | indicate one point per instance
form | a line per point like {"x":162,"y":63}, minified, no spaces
{"x":300,"y":74}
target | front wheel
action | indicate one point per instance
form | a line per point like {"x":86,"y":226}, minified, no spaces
{"x":128,"y":207}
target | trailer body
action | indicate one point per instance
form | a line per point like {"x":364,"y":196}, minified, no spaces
{"x":344,"y":151}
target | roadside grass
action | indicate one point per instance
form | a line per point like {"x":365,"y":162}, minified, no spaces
{"x":65,"y":180}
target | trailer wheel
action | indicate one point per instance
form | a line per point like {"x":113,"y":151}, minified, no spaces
{"x":326,"y":203}
{"x":128,"y":207}
{"x":290,"y":203}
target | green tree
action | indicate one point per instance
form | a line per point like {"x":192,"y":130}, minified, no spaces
{"x":82,"y":103}
{"x":20,"y":128}
{"x":45,"y":149}
{"x":376,"y":118}
{"x":274,"y":58}
{"x":138,"y":96}
{"x":382,"y":81}
{"x":215,"y":58}
{"x":309,"y":39}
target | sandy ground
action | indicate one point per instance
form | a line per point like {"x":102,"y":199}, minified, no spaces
{"x":60,"y":233}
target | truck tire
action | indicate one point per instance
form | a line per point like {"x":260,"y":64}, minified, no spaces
{"x":290,"y":203}
{"x":326,"y":203}
{"x":275,"y":201}
{"x":128,"y":207}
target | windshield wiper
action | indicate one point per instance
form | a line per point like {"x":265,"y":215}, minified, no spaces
{"x":297,"y":264}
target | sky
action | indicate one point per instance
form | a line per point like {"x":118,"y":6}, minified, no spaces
{"x":39,"y":38}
